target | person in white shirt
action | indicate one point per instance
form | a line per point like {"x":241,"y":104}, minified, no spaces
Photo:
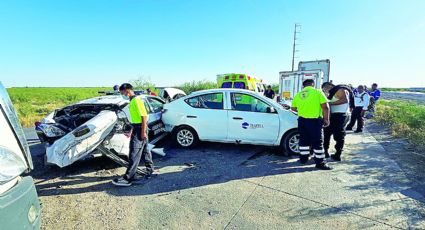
{"x":361,"y":101}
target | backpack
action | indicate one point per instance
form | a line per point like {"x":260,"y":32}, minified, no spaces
{"x":335,"y":89}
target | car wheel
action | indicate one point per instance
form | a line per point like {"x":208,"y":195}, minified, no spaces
{"x":290,"y":143}
{"x":185,"y":137}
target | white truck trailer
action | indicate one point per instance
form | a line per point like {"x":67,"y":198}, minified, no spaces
{"x":291,"y":82}
{"x":323,"y":65}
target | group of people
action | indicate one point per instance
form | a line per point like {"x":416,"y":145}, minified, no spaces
{"x":326,"y":109}
{"x":325,"y":113}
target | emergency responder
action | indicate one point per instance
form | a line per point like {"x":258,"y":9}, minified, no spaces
{"x":375,"y":94}
{"x":269,"y":92}
{"x":138,"y":139}
{"x":361,"y":101}
{"x":339,"y":102}
{"x":313,"y":114}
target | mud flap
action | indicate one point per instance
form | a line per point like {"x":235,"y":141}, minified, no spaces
{"x":81,"y":141}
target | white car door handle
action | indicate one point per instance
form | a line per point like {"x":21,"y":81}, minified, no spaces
{"x":191,"y":116}
{"x":237,"y":118}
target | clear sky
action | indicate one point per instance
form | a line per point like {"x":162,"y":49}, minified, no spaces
{"x":102,"y":43}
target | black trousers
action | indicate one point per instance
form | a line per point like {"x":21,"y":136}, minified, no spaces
{"x":311,"y":131}
{"x":356,"y":116}
{"x":138,"y":149}
{"x":338,"y":121}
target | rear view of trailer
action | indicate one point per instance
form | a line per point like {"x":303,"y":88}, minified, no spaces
{"x":323,"y":65}
{"x":290,"y":83}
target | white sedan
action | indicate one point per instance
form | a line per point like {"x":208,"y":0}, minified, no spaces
{"x":231,"y":116}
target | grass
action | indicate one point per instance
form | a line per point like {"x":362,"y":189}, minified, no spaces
{"x":406,"y":119}
{"x":192,"y":86}
{"x":33,"y":104}
{"x":401,"y":90}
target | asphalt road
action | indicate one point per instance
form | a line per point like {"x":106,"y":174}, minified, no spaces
{"x":409,"y":96}
{"x":222,"y":186}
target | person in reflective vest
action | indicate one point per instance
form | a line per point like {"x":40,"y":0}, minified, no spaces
{"x":313,"y":114}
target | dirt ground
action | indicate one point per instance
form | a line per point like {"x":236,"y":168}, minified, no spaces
{"x":222,"y":186}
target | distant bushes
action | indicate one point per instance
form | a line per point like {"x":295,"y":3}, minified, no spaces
{"x":192,"y":86}
{"x":33,"y":104}
{"x":406,"y":119}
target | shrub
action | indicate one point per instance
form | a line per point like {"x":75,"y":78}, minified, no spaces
{"x":406,"y":119}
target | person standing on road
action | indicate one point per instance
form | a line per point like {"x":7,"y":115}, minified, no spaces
{"x":269,"y":92}
{"x":339,"y":102}
{"x":313,"y":114}
{"x":138,"y":139}
{"x":361,"y":101}
{"x":375,"y":92}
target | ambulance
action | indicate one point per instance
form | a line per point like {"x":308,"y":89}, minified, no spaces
{"x":240,"y":81}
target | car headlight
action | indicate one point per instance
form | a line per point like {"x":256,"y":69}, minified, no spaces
{"x":11,"y":165}
{"x":32,"y":214}
{"x":51,"y":130}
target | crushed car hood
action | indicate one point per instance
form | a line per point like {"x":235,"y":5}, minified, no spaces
{"x":81,"y":141}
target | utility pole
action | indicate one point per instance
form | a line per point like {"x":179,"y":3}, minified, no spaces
{"x":294,"y":50}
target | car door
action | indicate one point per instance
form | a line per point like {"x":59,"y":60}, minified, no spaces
{"x":155,"y":125}
{"x":252,"y":120}
{"x":207,"y":116}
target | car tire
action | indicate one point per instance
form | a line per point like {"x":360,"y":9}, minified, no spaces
{"x":289,"y":144}
{"x":185,"y":137}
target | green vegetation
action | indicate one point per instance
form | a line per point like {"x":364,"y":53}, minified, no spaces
{"x":406,"y":119}
{"x":401,"y":90}
{"x":33,"y":104}
{"x":394,"y":89}
{"x":189,"y":87}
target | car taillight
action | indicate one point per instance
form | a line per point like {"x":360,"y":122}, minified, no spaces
{"x":241,"y":76}
{"x":37,"y":123}
{"x":226,"y":77}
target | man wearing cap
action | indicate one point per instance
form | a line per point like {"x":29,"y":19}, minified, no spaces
{"x":313,"y":114}
{"x":138,"y":139}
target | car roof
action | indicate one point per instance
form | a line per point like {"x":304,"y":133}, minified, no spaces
{"x":220,"y":90}
{"x":109,"y":99}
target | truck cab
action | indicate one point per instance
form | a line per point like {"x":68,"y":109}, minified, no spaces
{"x":19,"y":204}
{"x":240,"y":81}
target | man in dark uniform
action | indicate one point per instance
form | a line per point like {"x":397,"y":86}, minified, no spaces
{"x":269,"y":92}
{"x":313,"y":114}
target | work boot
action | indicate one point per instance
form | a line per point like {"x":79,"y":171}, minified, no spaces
{"x":303,"y":159}
{"x":336,"y":157}
{"x":323,"y":166}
